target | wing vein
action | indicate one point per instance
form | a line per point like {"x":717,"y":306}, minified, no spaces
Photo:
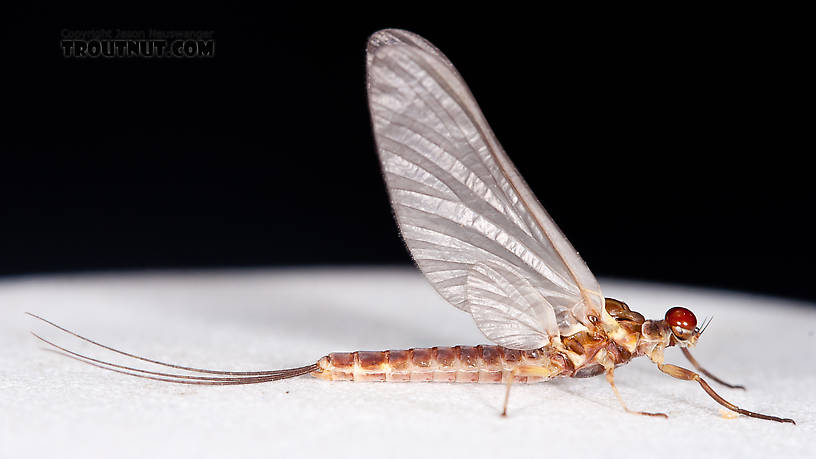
{"x":469,"y":220}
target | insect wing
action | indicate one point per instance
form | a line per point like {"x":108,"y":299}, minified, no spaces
{"x":470,"y":221}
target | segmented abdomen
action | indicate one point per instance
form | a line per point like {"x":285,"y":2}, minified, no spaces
{"x":485,"y":364}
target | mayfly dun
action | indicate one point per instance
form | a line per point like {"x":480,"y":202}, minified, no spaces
{"x":488,"y":247}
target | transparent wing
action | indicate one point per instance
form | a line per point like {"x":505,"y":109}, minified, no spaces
{"x":469,"y":220}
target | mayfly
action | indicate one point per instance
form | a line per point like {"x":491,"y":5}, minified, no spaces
{"x":486,"y":245}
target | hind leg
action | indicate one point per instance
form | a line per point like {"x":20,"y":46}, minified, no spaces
{"x":525,"y":370}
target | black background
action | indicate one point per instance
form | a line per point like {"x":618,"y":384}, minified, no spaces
{"x":668,"y":145}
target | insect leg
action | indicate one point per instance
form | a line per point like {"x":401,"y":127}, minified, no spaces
{"x":705,"y":372}
{"x":610,"y":377}
{"x":688,"y":375}
{"x":524,"y":370}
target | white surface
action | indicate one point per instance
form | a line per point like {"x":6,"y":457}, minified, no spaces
{"x":56,"y":407}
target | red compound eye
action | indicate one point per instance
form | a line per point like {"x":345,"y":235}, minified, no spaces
{"x":681,"y":317}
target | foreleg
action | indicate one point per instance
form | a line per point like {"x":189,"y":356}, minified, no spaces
{"x":688,"y":375}
{"x":705,"y":372}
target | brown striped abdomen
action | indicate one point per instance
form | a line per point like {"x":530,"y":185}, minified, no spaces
{"x":485,"y":364}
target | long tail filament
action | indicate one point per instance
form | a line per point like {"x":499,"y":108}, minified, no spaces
{"x":225,"y":378}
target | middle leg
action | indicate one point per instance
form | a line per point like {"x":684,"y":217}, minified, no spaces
{"x":610,"y":377}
